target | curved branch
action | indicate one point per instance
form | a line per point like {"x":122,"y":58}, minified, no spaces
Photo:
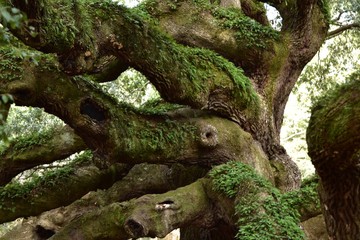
{"x":32,"y":199}
{"x":197,"y":77}
{"x":141,"y":179}
{"x":220,"y":28}
{"x":23,"y":154}
{"x":341,"y":29}
{"x":119,"y":132}
{"x":141,"y":217}
{"x":111,"y":70}
{"x":305,"y":25}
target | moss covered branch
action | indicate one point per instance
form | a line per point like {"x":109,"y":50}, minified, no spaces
{"x":117,"y":132}
{"x":146,"y":215}
{"x":150,"y":215}
{"x":37,"y":149}
{"x":228,"y":29}
{"x":141,"y":179}
{"x":54,"y":189}
{"x":261,"y":210}
{"x":194,"y":74}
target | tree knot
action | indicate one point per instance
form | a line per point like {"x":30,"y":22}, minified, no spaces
{"x":135,"y":229}
{"x":208,"y":136}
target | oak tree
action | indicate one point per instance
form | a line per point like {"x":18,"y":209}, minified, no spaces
{"x":206,"y":159}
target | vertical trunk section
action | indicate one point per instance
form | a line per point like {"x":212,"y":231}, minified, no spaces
{"x":341,"y":206}
{"x":334,"y":147}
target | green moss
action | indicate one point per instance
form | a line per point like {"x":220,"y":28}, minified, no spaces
{"x":344,"y":95}
{"x":15,"y":57}
{"x":157,"y":138}
{"x":36,"y":139}
{"x":325,"y":8}
{"x":158,"y":107}
{"x":306,"y":197}
{"x":38,"y":183}
{"x":201,"y":65}
{"x":60,"y":23}
{"x":242,"y":83}
{"x":248,"y":31}
{"x":262,"y":211}
{"x":10,"y":69}
{"x":203,"y":69}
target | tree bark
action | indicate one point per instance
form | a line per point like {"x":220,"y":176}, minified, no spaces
{"x":140,"y":180}
{"x":30,"y":200}
{"x":334,"y":146}
{"x":231,"y":114}
{"x":26,"y":153}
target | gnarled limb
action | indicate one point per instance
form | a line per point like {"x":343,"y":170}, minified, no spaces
{"x":149,"y":215}
{"x":54,"y":191}
{"x":20,"y":155}
{"x":226,"y":91}
{"x":141,"y":179}
{"x":122,"y":42}
{"x":119,"y":133}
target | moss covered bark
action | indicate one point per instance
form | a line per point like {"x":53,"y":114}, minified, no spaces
{"x":236,"y":113}
{"x":334,"y":143}
{"x":121,"y":133}
{"x":141,"y":179}
{"x":53,"y":189}
{"x":40,"y":148}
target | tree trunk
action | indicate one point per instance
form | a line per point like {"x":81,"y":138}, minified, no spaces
{"x":231,"y":72}
{"x":334,"y":144}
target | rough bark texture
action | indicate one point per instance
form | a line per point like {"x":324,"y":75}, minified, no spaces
{"x":54,"y":145}
{"x":222,"y":60}
{"x":334,"y":144}
{"x":315,"y":228}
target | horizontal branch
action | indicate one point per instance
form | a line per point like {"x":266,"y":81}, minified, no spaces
{"x":141,"y":217}
{"x":48,"y":192}
{"x":39,"y":149}
{"x":233,"y":32}
{"x":179,"y":208}
{"x":118,"y":133}
{"x":141,"y":179}
{"x":341,"y":29}
{"x":196,"y":77}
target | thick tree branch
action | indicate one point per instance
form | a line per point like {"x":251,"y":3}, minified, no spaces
{"x":180,"y":83}
{"x":58,"y":190}
{"x":111,"y":70}
{"x":31,"y":151}
{"x":220,"y":29}
{"x":119,"y":132}
{"x":341,"y":29}
{"x":141,"y":179}
{"x":304,"y":28}
{"x":141,"y":217}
